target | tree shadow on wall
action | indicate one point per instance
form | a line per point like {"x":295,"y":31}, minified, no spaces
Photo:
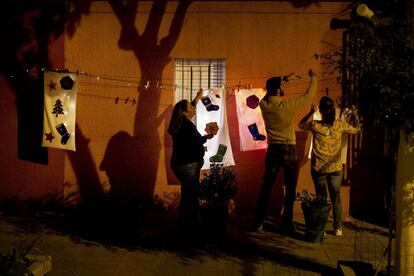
{"x":29,"y":29}
{"x":152,"y":55}
{"x":85,"y":168}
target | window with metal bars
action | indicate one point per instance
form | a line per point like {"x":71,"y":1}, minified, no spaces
{"x":193,"y":74}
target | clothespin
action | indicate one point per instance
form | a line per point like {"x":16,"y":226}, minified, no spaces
{"x":146,"y":86}
{"x":134,"y":101}
{"x":238,"y":86}
{"x":126,"y":100}
{"x":116,"y":100}
{"x":316,"y":55}
{"x":158,"y":84}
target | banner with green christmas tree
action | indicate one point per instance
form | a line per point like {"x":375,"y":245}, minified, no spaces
{"x":59,"y":116}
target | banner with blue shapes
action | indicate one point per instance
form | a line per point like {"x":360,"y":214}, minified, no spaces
{"x":252,"y":129}
{"x":212,"y":118}
{"x":59,"y":116}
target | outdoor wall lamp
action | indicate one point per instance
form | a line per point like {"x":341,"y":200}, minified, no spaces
{"x":364,"y":11}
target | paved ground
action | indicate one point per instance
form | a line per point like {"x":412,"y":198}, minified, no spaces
{"x":158,"y":249}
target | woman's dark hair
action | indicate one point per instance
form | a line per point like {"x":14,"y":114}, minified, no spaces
{"x":177,"y":116}
{"x":327,"y":109}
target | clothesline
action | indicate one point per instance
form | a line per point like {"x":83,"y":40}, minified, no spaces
{"x":233,"y":87}
{"x":134,"y":82}
{"x":134,"y":99}
{"x":148,"y":84}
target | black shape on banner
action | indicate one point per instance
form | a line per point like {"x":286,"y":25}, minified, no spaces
{"x":208,"y":104}
{"x":252,"y":101}
{"x":254,"y":131}
{"x":57,"y":109}
{"x":61,"y":128}
{"x":66,"y":83}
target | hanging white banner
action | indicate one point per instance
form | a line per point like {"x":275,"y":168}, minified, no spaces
{"x":59,"y":116}
{"x":252,"y":129}
{"x":211,"y":109}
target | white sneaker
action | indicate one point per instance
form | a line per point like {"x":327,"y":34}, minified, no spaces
{"x":338,"y":232}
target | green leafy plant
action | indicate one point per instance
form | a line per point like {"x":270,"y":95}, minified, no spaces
{"x":310,"y":200}
{"x":218,"y":186}
{"x":378,"y":69}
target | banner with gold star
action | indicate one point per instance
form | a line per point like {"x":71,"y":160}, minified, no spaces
{"x":59,"y":116}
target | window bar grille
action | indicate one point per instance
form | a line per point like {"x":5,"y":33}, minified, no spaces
{"x":217,"y":72}
{"x":182,"y":79}
{"x":200,"y":78}
{"x":209,"y":74}
{"x":191,"y":82}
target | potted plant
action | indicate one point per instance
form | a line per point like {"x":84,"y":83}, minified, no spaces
{"x":217,"y":191}
{"x":315,"y":211}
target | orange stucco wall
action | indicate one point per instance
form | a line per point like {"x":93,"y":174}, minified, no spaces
{"x":123,"y":123}
{"x":258,"y":40}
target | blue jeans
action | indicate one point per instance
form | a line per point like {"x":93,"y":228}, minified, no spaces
{"x":331,"y":182}
{"x":278,"y":156}
{"x":189,"y":176}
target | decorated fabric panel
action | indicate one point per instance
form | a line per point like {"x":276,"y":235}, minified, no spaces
{"x":212,"y":118}
{"x":252,"y":129}
{"x":59,"y":116}
{"x":344,"y":141}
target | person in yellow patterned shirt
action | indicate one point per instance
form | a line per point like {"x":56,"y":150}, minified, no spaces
{"x":326,"y":165}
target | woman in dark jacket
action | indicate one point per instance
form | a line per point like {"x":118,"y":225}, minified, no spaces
{"x":187,"y":160}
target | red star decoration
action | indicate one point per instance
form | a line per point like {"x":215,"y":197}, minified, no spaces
{"x":49,"y":137}
{"x":52,"y":85}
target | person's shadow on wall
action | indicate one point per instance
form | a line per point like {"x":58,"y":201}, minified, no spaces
{"x":121,"y":166}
